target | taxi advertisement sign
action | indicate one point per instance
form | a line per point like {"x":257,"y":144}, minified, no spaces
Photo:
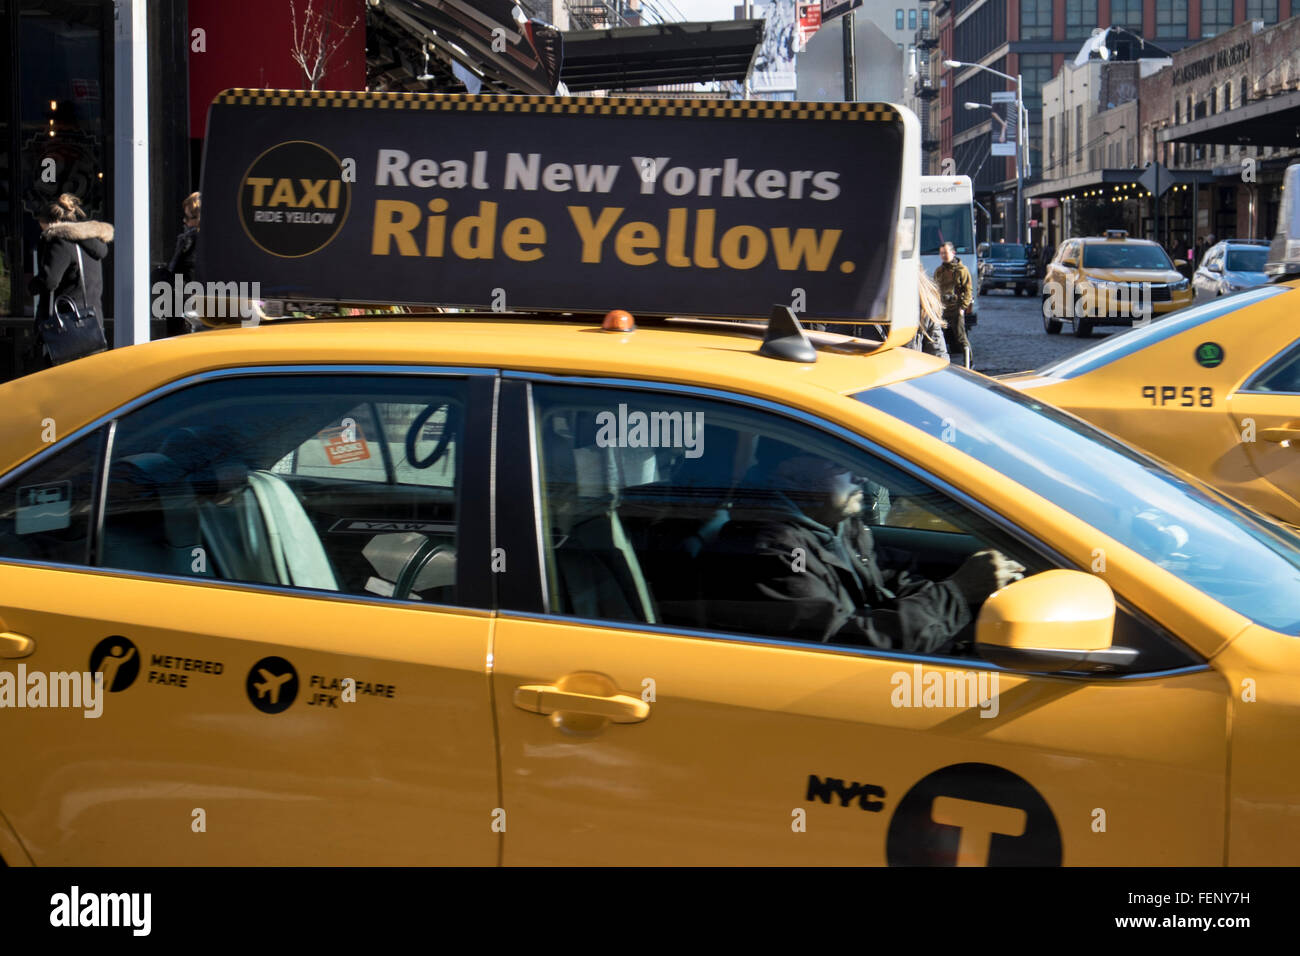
{"x":661,"y":207}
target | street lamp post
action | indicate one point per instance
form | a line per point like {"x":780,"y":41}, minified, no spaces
{"x":1021,"y":127}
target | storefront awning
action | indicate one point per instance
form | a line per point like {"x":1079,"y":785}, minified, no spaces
{"x":669,"y":53}
{"x":1099,"y":178}
{"x":1270,"y":122}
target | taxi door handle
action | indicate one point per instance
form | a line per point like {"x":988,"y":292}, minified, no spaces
{"x":547,"y":699}
{"x":14,"y":645}
{"x":1281,"y":433}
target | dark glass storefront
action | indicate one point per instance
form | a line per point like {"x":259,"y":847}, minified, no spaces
{"x":55,"y":137}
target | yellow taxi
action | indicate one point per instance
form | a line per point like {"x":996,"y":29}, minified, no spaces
{"x":1215,"y":390}
{"x":479,"y":590}
{"x":1111,"y":280}
{"x":548,"y":585}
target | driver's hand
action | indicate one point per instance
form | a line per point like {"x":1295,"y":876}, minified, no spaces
{"x":985,"y":572}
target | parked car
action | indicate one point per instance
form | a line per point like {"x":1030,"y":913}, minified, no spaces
{"x":1008,"y":265}
{"x":1232,"y":265}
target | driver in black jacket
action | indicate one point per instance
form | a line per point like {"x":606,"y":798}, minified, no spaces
{"x":797,"y":560}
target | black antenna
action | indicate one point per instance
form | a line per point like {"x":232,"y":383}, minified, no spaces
{"x":785,"y":339}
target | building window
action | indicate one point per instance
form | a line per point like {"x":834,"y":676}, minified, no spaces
{"x":900,"y":47}
{"x":898,"y":19}
{"x":911,"y":19}
{"x":1178,"y":112}
{"x":1241,"y":100}
{"x":1216,"y":16}
{"x":1051,"y":141}
{"x":1078,"y":134}
{"x":1035,"y":19}
{"x":925,"y":19}
{"x":1265,"y":10}
{"x":1130,"y":153}
{"x":1214,"y":102}
{"x":1080,"y":19}
{"x":1227,"y":96}
{"x":1171,"y":18}
{"x":1127,"y":14}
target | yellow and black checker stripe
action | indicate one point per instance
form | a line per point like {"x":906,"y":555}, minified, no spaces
{"x":571,"y":105}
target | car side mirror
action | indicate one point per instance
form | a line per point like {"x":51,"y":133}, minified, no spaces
{"x":1179,"y":263}
{"x":1058,"y":620}
{"x":1072,"y":263}
{"x":1214,"y":267}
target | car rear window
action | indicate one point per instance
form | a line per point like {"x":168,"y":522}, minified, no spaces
{"x":1126,"y":343}
{"x":1247,"y":260}
{"x":1125,"y":255}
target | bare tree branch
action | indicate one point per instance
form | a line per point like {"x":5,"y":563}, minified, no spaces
{"x":318,"y":41}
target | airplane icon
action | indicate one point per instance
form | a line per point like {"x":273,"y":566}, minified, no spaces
{"x":271,"y":683}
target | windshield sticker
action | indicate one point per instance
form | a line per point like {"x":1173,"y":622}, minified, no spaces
{"x":43,"y":507}
{"x":344,"y":443}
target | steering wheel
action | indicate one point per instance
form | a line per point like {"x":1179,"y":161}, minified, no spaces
{"x":444,"y":440}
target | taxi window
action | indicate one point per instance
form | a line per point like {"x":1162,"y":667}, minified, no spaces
{"x":1126,"y":343}
{"x":724,"y":524}
{"x":368,"y":443}
{"x":1281,"y":375}
{"x":323,"y":482}
{"x":45,"y":510}
{"x":1124,"y":255}
{"x":1240,"y":559}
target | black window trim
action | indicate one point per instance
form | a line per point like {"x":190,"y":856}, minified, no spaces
{"x":474,"y":522}
{"x":1032,"y":541}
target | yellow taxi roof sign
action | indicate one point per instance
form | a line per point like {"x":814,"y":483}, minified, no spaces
{"x":577,"y":204}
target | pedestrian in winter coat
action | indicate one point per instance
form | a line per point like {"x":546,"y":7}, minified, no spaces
{"x":953,"y":280}
{"x":930,"y":325}
{"x":181,"y":263}
{"x":65,"y":229}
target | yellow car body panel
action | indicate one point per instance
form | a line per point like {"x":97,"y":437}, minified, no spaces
{"x":1159,"y":397}
{"x":717,"y":773}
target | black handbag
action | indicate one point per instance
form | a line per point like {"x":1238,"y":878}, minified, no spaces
{"x":66,"y":333}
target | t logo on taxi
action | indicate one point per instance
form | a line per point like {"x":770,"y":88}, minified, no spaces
{"x":973,"y":814}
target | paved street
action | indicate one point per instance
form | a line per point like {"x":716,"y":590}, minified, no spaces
{"x":1010,"y":336}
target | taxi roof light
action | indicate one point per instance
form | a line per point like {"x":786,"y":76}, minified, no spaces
{"x":1116,"y":233}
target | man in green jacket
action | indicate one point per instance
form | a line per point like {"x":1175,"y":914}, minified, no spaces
{"x":954,"y":283}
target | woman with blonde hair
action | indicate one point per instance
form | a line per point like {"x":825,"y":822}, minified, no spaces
{"x":930,"y":326}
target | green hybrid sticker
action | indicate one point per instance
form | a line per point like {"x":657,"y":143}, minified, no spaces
{"x":1209,"y":354}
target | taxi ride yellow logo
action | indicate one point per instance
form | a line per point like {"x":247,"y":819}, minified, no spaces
{"x":293,"y":199}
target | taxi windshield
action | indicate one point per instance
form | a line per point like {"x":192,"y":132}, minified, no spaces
{"x":1124,"y":255}
{"x":1243,"y":561}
